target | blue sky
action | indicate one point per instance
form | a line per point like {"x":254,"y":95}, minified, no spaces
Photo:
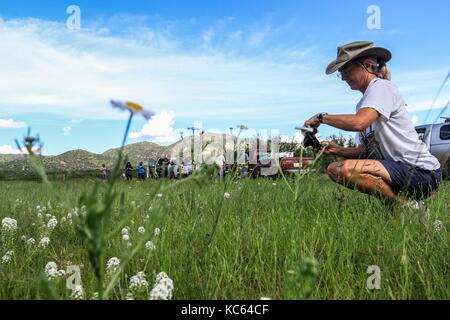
{"x":260,"y":63}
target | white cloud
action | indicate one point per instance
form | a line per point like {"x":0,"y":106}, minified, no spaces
{"x":67,"y":130}
{"x":208,"y":35}
{"x":236,"y":35}
{"x":79,"y":72}
{"x":159,"y":128}
{"x":7,"y":149}
{"x":83,"y":70}
{"x":11,"y":124}
{"x":256,"y":38}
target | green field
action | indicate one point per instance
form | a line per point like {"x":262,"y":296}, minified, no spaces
{"x":259,"y":242}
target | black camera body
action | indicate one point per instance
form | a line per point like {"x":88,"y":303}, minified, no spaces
{"x":310,"y":139}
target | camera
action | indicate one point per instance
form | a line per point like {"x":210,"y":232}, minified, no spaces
{"x":310,"y":139}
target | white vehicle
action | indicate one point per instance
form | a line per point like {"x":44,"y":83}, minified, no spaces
{"x":437,"y":139}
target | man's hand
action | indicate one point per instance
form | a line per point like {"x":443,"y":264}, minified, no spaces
{"x":313,"y":122}
{"x":333,"y":149}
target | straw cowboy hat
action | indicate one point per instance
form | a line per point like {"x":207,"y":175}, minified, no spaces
{"x":354,"y":50}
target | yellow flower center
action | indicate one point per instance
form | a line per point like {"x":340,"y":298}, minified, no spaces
{"x":134,"y":106}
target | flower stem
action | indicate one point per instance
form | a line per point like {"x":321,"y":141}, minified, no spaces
{"x":127,"y":129}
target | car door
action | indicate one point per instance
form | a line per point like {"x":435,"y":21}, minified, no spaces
{"x":440,"y":144}
{"x":424,"y":133}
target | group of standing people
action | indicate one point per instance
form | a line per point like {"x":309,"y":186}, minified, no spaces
{"x":128,"y":172}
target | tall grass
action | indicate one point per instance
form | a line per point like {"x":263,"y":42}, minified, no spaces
{"x":262,"y":241}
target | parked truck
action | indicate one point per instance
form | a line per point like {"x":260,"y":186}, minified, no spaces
{"x":437,"y":139}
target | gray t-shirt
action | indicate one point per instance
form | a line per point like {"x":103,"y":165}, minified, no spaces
{"x":393,"y":136}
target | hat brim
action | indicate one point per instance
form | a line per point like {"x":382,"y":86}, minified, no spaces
{"x":382,"y":53}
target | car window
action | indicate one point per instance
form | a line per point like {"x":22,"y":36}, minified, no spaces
{"x":444,"y":134}
{"x":421,"y":133}
{"x":264,"y":157}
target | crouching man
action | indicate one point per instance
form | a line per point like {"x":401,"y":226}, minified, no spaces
{"x":389,"y":161}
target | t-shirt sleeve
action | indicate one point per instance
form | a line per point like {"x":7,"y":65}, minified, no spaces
{"x":380,"y":97}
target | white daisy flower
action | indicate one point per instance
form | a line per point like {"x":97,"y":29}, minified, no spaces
{"x":227,"y":195}
{"x":141,"y":230}
{"x":126,"y":237}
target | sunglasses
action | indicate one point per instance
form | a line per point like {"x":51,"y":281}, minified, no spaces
{"x":345,"y":71}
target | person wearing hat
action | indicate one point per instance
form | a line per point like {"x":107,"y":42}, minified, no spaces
{"x":389,"y":160}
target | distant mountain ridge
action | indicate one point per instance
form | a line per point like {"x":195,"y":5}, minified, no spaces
{"x":79,"y":163}
{"x":76,"y":163}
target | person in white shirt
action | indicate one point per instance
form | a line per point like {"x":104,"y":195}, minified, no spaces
{"x":389,"y":161}
{"x":221,"y":163}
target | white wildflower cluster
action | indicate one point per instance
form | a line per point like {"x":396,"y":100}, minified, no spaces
{"x":157,"y":232}
{"x":41,"y":211}
{"x":45,"y":241}
{"x":126,"y":236}
{"x":149,"y":245}
{"x":226,"y":195}
{"x":112,"y":265}
{"x":438,"y":226}
{"x":77,"y":293}
{"x":52,"y":223}
{"x":141,"y":230}
{"x":75,"y":212}
{"x":163,"y":289}
{"x":9,"y":224}
{"x":52,"y":272}
{"x":7,"y":257}
{"x":31,"y":241}
{"x":95,"y":296}
{"x":138,"y":283}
